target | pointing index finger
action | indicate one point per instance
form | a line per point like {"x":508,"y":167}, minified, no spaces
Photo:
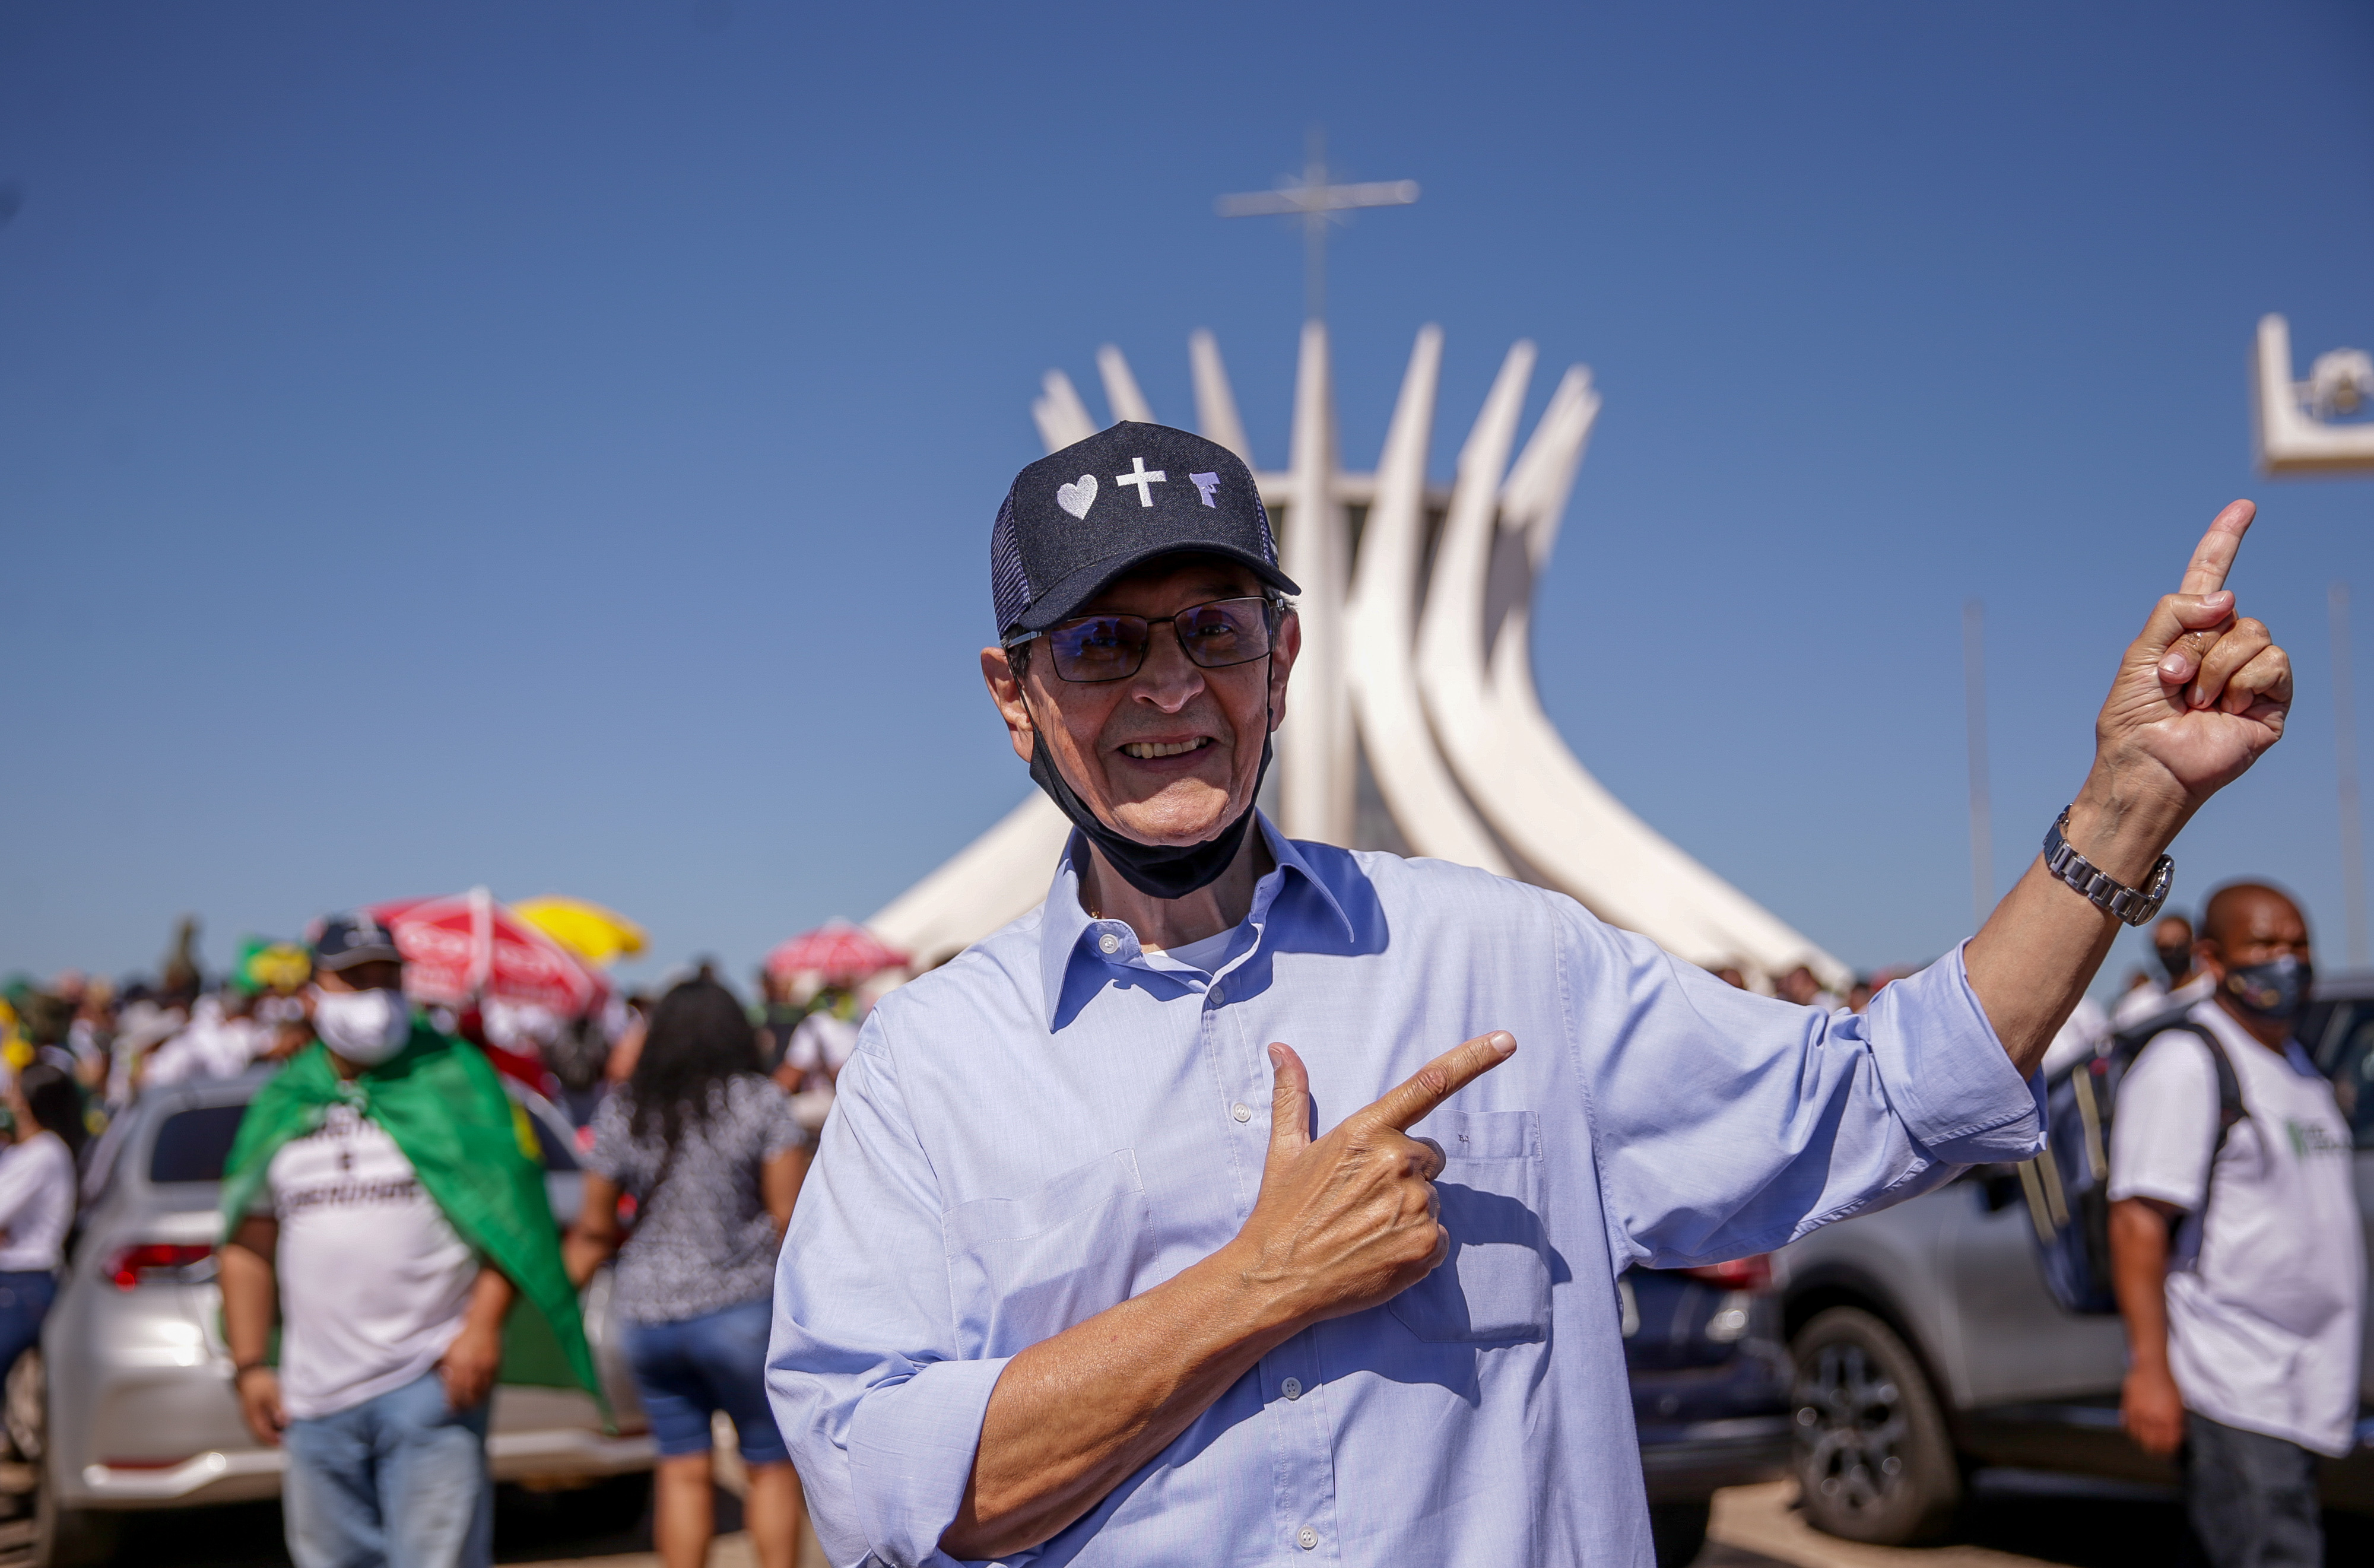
{"x":1440,"y":1079}
{"x":2213,"y":556}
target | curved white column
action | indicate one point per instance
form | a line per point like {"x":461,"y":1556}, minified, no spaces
{"x":1380,"y":626}
{"x":1062,"y":419}
{"x":1315,"y":782}
{"x":1477,"y":678}
{"x":1121,"y":395}
{"x":1215,"y":405}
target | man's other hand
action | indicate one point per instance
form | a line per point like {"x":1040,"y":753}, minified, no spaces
{"x":470,"y":1362}
{"x":1352,"y":1219}
{"x":2152,"y":1410}
{"x":259,"y":1405}
{"x":2201,"y":692}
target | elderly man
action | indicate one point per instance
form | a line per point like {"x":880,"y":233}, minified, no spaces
{"x":2235,"y":1244}
{"x":1060,"y":1292}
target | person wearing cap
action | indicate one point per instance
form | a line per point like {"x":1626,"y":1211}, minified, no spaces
{"x":1260,"y":1200}
{"x":386,"y":1195}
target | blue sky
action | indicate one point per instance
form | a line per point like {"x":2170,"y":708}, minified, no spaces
{"x":554,"y":445}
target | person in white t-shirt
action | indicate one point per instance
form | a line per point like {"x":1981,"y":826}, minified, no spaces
{"x":819,"y":1047}
{"x":2242,"y":1276}
{"x":391,"y":1323}
{"x":37,"y":1201}
{"x":2172,"y":946}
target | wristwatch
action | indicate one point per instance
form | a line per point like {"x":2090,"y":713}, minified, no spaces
{"x":2130,"y":904}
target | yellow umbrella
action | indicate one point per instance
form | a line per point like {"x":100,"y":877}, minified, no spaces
{"x":596,"y":935}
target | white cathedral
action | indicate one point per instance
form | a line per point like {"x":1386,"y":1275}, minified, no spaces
{"x":1415,"y":726}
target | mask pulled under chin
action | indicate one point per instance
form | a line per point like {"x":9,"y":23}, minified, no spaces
{"x":364,"y":1027}
{"x":2275,"y":990}
{"x":1157,"y":871}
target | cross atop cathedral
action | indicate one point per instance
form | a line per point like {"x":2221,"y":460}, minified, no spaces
{"x":1317,"y":202}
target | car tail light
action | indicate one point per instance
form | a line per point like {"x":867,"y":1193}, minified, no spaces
{"x":1753,"y":1272}
{"x":136,"y":1266}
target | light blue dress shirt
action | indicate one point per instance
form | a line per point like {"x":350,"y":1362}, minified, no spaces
{"x":1058,"y":1120}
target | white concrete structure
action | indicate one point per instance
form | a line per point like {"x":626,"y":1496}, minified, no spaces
{"x":2293,"y":428}
{"x":1413,"y":724}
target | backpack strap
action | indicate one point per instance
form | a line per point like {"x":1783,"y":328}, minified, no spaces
{"x":2230,"y":1112}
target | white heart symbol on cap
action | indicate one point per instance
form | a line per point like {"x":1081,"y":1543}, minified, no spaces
{"x":1077,"y":498}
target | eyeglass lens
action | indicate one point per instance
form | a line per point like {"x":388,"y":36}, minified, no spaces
{"x":1111,"y":647}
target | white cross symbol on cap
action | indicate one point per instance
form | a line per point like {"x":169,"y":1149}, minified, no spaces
{"x":1143,"y":480}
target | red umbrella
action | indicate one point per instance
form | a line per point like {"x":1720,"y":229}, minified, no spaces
{"x":465,"y":947}
{"x":844,"y":953}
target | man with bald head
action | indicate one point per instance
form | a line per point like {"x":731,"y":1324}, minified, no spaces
{"x":2242,"y":1313}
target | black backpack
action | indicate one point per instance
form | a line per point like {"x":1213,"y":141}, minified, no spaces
{"x":2068,"y":1185}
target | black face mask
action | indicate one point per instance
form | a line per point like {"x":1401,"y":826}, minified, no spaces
{"x":1157,"y":871}
{"x":2277,"y":990}
{"x":2175,"y":961}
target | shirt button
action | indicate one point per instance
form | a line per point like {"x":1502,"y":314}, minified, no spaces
{"x":1241,"y":1112}
{"x":1306,"y":1538}
{"x":1109,"y":943}
{"x":1291,"y":1388}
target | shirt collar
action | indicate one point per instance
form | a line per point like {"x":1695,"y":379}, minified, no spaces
{"x":1067,"y":934}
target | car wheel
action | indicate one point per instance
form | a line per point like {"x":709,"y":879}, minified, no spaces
{"x":1679,"y":1531}
{"x":1873,"y":1458}
{"x":63,"y":1537}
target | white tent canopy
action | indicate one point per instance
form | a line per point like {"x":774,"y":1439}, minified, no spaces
{"x":1417,"y":673}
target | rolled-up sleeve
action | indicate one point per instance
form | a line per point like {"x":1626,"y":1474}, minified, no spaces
{"x":1727,"y":1122}
{"x":881,"y":1415}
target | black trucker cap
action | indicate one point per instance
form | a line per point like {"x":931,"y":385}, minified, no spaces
{"x":351,"y":939}
{"x":1075,"y":521}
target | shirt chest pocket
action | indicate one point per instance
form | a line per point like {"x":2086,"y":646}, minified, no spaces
{"x":1495,"y":1286}
{"x":1022,"y":1270}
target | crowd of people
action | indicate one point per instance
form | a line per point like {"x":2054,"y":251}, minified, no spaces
{"x":382,"y":1215}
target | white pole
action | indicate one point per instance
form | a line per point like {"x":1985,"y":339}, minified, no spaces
{"x":2344,"y":738}
{"x":1974,"y":699}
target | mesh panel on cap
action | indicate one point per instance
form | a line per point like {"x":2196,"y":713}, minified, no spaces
{"x":1009,"y":585}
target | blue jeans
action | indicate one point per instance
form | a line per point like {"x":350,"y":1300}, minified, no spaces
{"x":399,"y":1482}
{"x":687,"y":1368}
{"x":24,"y":1300}
{"x":2252,"y":1498}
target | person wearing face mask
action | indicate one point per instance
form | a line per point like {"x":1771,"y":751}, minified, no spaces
{"x":1175,"y":1222}
{"x":2172,"y":948}
{"x":384,"y":1194}
{"x":2235,"y":1244}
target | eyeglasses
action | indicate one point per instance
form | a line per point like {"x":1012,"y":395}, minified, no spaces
{"x":1091,"y":648}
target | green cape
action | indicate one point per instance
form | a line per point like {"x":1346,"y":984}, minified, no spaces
{"x":476,"y":1153}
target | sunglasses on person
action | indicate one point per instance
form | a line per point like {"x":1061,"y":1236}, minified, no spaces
{"x":1091,"y":648}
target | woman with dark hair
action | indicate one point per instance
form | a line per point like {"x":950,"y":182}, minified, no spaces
{"x":706,"y":1146}
{"x":37,"y":1201}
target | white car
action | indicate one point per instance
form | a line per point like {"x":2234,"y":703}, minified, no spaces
{"x":128,"y":1403}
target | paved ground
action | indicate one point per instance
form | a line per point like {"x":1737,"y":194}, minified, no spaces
{"x":1754,"y":1528}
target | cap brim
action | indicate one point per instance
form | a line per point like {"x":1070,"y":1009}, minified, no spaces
{"x":1064,"y":600}
{"x":379,"y":952}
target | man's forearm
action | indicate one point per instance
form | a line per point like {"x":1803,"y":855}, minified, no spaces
{"x":249,"y":1287}
{"x":1074,"y":1416}
{"x":2041,"y":947}
{"x":2139,"y":1279}
{"x":490,"y":1299}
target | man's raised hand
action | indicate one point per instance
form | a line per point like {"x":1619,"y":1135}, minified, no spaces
{"x":1352,"y":1218}
{"x":2201,"y":692}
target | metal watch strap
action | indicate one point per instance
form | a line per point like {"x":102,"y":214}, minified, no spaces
{"x":2133,"y":906}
